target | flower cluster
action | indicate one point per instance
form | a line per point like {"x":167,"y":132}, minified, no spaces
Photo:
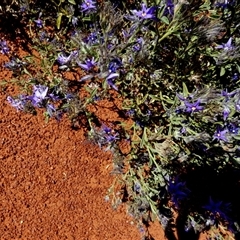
{"x":41,"y":97}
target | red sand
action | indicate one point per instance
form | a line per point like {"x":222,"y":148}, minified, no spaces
{"x":53,"y":181}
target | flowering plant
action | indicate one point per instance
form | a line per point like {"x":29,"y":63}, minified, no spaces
{"x":175,"y":65}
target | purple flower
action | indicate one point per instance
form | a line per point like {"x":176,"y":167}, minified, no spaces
{"x":178,"y":191}
{"x":39,"y":94}
{"x":137,"y":47}
{"x":226,"y":112}
{"x":4,"y":48}
{"x":226,"y":46}
{"x":109,"y":134}
{"x":224,"y":4}
{"x":193,"y":107}
{"x":43,"y":36}
{"x":39,"y":23}
{"x":18,"y":103}
{"x":89,"y":64}
{"x":237,"y":105}
{"x":53,"y":97}
{"x":106,"y":129}
{"x":227,"y":94}
{"x":220,"y":135}
{"x":145,"y":13}
{"x":114,"y":65}
{"x":181,"y":97}
{"x":93,"y":38}
{"x":127,"y":34}
{"x":74,"y":21}
{"x":14,"y":64}
{"x":69,"y":96}
{"x":64,"y":60}
{"x":169,"y":9}
{"x":23,"y":8}
{"x":235,"y":77}
{"x":217,"y":208}
{"x":183,"y":130}
{"x":111,"y":84}
{"x":112,"y":137}
{"x":137,"y":187}
{"x":233,"y":128}
{"x":88,"y":6}
{"x":130,"y":112}
{"x":50,"y":110}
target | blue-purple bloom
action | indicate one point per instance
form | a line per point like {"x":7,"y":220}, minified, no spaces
{"x":110,"y":81}
{"x":4,"y":47}
{"x":89,"y":64}
{"x":193,"y":107}
{"x":43,"y":36}
{"x":137,"y":187}
{"x":226,"y":46}
{"x":169,"y":9}
{"x":138,"y":46}
{"x":14,"y":64}
{"x":53,"y":96}
{"x":126,"y":34}
{"x":226,"y":94}
{"x":130,"y":112}
{"x":92,"y":38}
{"x":106,"y":129}
{"x":224,"y":4}
{"x":64,"y":60}
{"x":39,"y":94}
{"x":74,"y":21}
{"x":217,"y":208}
{"x":112,"y":137}
{"x":220,"y":134}
{"x":237,"y":105}
{"x":145,"y":13}
{"x":23,"y":8}
{"x":50,"y":109}
{"x":39,"y":23}
{"x":178,"y":191}
{"x":226,"y":112}
{"x":235,"y":77}
{"x":114,"y":65}
{"x":109,"y":134}
{"x":18,"y":103}
{"x":233,"y":128}
{"x":88,"y":6}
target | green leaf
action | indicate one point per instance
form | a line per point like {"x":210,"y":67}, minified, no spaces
{"x":222,"y":71}
{"x":144,"y":138}
{"x":86,"y":19}
{"x":27,"y":72}
{"x":59,"y":19}
{"x":237,"y":137}
{"x":238,"y":68}
{"x":165,"y":20}
{"x":185,"y":90}
{"x":60,"y":2}
{"x":72,"y":2}
{"x":166,"y":99}
{"x":194,"y":38}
